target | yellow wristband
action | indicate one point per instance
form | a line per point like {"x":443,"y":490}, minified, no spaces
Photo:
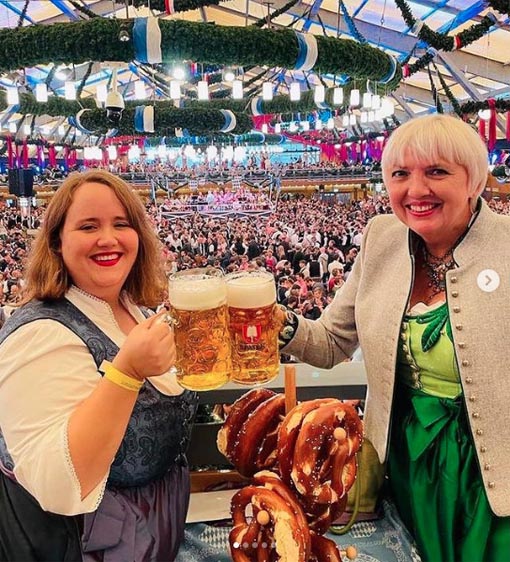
{"x":119,"y":378}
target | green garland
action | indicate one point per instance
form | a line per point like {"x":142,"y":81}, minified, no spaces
{"x":447,"y":91}
{"x":98,"y":40}
{"x":473,"y":107}
{"x":441,"y":41}
{"x":502,"y":6}
{"x":198,"y":120}
{"x":179,"y":5}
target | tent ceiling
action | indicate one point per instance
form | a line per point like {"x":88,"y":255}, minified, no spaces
{"x":477,"y":71}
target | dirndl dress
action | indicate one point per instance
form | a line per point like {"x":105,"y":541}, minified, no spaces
{"x":434,"y":477}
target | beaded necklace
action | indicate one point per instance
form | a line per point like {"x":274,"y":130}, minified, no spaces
{"x":435,"y":268}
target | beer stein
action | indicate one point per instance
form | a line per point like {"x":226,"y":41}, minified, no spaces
{"x":198,"y":305}
{"x":251,"y":298}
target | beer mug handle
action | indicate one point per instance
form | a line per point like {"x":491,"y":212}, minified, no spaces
{"x":170,"y":320}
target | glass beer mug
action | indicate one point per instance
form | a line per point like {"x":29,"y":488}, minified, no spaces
{"x":251,"y":297}
{"x":198,"y":305}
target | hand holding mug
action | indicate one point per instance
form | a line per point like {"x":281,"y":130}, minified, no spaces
{"x":149,"y":349}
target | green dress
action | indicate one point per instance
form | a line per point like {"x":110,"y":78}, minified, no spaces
{"x":433,"y":471}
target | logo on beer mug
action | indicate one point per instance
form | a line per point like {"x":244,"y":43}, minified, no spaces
{"x":251,"y":334}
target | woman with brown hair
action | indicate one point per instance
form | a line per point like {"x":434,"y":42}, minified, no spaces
{"x":93,"y":428}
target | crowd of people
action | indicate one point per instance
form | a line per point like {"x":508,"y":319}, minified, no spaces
{"x":307,"y":243}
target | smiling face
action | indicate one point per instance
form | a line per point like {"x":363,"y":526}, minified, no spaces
{"x":431,"y":198}
{"x":98,"y":244}
{"x":434,"y":168}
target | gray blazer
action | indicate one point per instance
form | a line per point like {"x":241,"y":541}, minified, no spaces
{"x":368,"y":311}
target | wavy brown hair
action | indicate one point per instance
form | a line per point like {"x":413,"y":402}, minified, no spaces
{"x":47,"y":278}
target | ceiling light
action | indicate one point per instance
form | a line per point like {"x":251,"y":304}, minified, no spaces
{"x":484,"y":114}
{"x":101,"y":93}
{"x":229,"y":75}
{"x":354,"y":99}
{"x":12,"y":96}
{"x":179,"y":73}
{"x":140,"y":93}
{"x":124,"y":35}
{"x":319,"y":94}
{"x":338,"y":96}
{"x":41,"y":92}
{"x":203,"y":90}
{"x":267,"y":91}
{"x":237,"y":90}
{"x":295,"y":91}
{"x":70,"y":91}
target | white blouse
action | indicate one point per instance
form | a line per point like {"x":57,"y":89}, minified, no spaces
{"x":45,"y":372}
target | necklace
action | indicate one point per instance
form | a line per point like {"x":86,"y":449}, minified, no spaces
{"x":435,"y":268}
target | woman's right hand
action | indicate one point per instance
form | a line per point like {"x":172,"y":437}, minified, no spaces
{"x":149,"y":349}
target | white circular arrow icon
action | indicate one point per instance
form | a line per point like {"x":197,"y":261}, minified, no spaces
{"x":488,"y":280}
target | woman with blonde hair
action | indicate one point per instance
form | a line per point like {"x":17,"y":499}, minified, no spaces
{"x":427,"y":301}
{"x":94,"y":429}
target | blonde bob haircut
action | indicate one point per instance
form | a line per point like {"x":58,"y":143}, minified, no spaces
{"x":437,"y":137}
{"x":47,"y":277}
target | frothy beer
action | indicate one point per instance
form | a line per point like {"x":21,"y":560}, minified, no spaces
{"x":251,"y":298}
{"x":198,"y":304}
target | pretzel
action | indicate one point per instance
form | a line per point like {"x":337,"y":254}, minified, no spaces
{"x":239,"y":412}
{"x":321,"y":452}
{"x":277,"y":528}
{"x":324,"y":550}
{"x":289,"y":431}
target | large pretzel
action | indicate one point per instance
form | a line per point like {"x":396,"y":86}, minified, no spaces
{"x":277,"y":527}
{"x":313,"y":449}
{"x":317,"y":443}
{"x":250,"y":432}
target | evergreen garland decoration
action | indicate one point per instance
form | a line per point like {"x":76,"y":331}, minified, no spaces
{"x":502,"y":6}
{"x":198,"y":120}
{"x":262,"y":21}
{"x":23,"y":13}
{"x":83,"y":9}
{"x":435,"y":95}
{"x":351,"y":25}
{"x":179,"y":5}
{"x":420,"y":64}
{"x":97,"y":40}
{"x":473,"y":107}
{"x":447,"y":91}
{"x":441,"y":41}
